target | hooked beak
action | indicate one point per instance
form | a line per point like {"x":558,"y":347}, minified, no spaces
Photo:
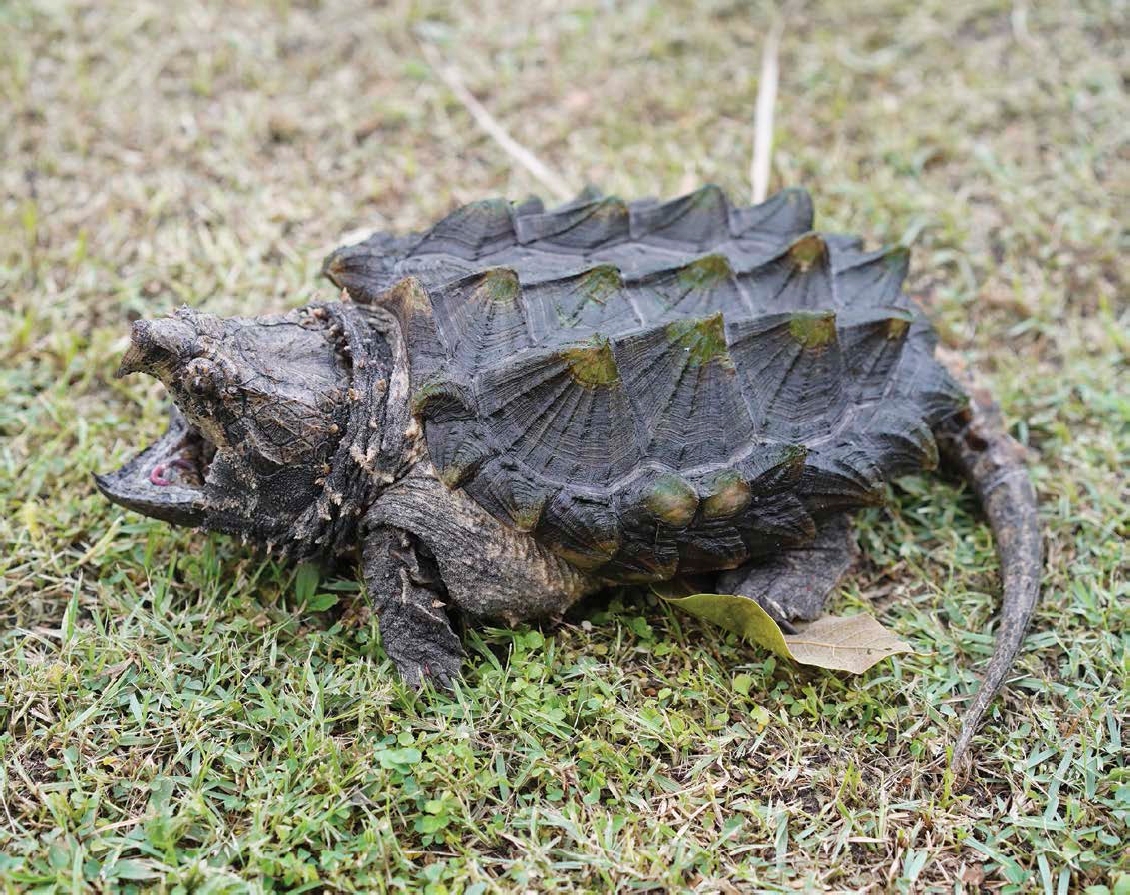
{"x":157,"y":347}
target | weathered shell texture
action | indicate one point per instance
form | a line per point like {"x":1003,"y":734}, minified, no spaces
{"x":652,"y":388}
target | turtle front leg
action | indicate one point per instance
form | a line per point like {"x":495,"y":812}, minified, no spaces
{"x":797,"y":582}
{"x":489,"y":570}
{"x":407,"y":596}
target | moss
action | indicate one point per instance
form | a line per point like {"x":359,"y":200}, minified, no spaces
{"x":897,"y":257}
{"x":705,"y":272}
{"x":897,"y":328}
{"x":610,"y":207}
{"x":704,"y":340}
{"x":672,"y":500}
{"x":592,"y":363}
{"x":709,"y":196}
{"x":527,"y":507}
{"x":729,"y":495}
{"x":601,"y":283}
{"x":813,"y":329}
{"x":807,"y":251}
{"x":408,"y":297}
{"x":501,"y":285}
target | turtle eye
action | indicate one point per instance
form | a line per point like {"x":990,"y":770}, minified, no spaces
{"x":200,"y":377}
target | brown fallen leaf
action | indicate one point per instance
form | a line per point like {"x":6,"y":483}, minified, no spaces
{"x":842,"y":643}
{"x":846,"y":643}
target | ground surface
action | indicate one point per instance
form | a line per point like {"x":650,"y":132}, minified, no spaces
{"x":176,"y":714}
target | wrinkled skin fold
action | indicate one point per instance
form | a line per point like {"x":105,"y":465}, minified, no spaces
{"x":519,"y":407}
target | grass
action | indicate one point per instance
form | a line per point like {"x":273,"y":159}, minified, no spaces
{"x":178,"y":715}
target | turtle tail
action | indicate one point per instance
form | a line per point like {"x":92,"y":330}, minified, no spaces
{"x":992,"y":461}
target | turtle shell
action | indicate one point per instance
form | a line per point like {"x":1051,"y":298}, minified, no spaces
{"x":651,"y":388}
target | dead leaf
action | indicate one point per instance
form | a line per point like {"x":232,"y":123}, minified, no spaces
{"x":842,"y":643}
{"x":846,"y":643}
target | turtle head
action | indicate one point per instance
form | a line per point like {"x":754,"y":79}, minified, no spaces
{"x":257,"y":417}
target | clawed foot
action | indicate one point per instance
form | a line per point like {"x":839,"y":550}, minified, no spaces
{"x":407,"y":592}
{"x":796,"y":583}
{"x":422,"y":646}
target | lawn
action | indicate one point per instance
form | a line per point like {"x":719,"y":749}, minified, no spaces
{"x":178,"y":714}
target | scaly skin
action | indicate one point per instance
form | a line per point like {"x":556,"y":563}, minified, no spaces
{"x":992,"y":461}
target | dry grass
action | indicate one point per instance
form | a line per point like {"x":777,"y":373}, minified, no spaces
{"x":173,"y":714}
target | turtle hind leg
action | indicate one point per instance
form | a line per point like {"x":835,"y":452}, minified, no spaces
{"x":408,"y":597}
{"x":796,"y":583}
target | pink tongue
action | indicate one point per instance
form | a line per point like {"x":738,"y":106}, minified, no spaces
{"x":157,"y":473}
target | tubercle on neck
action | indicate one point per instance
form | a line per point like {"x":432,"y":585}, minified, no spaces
{"x":371,"y":453}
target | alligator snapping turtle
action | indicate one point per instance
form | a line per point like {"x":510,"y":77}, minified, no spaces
{"x":520,"y":407}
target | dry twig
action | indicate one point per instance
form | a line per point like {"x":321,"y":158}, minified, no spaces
{"x":545,"y":175}
{"x":763,"y":115}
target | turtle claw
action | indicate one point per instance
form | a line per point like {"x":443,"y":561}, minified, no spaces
{"x":424,"y":654}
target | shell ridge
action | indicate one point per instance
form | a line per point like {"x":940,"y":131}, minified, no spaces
{"x":633,"y":303}
{"x":758,"y":218}
{"x":667,"y":222}
{"x":467,"y":230}
{"x":572,"y":227}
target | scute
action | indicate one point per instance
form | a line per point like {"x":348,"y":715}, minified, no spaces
{"x":577,"y":229}
{"x":698,"y":220}
{"x":787,"y":213}
{"x":586,"y":303}
{"x":582,"y":528}
{"x":873,"y":279}
{"x":512,"y":493}
{"x":871,"y":343}
{"x":699,"y":288}
{"x":725,"y":495}
{"x":562,"y":414}
{"x":791,"y":372}
{"x":473,"y":231}
{"x":658,"y":387}
{"x":670,"y":500}
{"x":481,"y":319}
{"x":684,"y":392}
{"x":799,"y":277}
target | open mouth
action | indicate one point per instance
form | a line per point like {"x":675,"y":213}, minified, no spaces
{"x":166,"y":480}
